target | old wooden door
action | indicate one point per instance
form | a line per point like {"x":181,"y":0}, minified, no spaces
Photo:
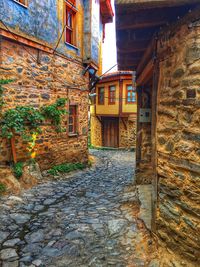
{"x":110,"y":132}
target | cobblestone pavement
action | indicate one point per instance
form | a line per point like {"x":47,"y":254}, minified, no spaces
{"x":87,"y":220}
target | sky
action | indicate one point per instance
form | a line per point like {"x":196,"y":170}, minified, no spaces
{"x":109,"y":46}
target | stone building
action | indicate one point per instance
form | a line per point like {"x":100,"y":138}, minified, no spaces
{"x":47,"y":48}
{"x":114,"y":111}
{"x":161,"y":41}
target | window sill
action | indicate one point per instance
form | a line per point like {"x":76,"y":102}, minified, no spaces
{"x":72,"y":134}
{"x":25,"y":6}
{"x":72,"y":46}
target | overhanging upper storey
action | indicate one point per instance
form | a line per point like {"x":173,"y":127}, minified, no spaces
{"x":138,"y":22}
{"x":106,"y":11}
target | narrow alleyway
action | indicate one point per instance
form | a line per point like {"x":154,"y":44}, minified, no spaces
{"x":87,"y":220}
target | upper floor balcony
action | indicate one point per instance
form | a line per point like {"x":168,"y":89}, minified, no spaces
{"x":115,"y":95}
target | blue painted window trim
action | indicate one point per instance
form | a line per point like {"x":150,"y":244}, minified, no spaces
{"x":72,"y":47}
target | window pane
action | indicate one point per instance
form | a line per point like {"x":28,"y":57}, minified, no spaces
{"x":129,"y":88}
{"x":112,"y":88}
{"x":71,"y":110}
{"x":69,"y":19}
{"x":70,"y":128}
{"x":133,"y":97}
{"x":68,"y":36}
{"x":101,"y":90}
{"x":101,"y":95}
{"x":71,"y":120}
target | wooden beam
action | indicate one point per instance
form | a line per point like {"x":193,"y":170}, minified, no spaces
{"x":144,"y":19}
{"x":132,"y":47}
{"x":146,"y":74}
{"x":137,"y":25}
{"x":120,"y":96}
{"x":99,"y":119}
{"x":125,"y":126}
{"x":146,"y":57}
{"x":13,"y":149}
{"x":122,"y":5}
{"x":133,"y":67}
{"x":17,"y":38}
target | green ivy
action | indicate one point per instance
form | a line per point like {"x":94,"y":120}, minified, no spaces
{"x":26,"y":120}
{"x":21,"y":120}
{"x":2,"y":188}
{"x":18,"y":169}
{"x":55,"y":112}
{"x":66,"y":167}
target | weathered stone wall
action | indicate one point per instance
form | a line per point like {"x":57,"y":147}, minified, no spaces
{"x":178,"y":143}
{"x":127,"y":136}
{"x":96,"y":132}
{"x":41,"y":84}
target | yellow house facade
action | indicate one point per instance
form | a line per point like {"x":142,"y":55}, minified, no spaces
{"x":113,"y":111}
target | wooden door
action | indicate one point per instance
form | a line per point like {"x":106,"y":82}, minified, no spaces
{"x":110,"y":132}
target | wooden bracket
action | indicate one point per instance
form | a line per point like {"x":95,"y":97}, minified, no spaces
{"x":99,"y":119}
{"x":125,"y":126}
{"x":39,"y":56}
{"x":14,"y":155}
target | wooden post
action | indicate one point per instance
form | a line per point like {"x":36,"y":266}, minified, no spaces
{"x":13,"y":149}
{"x":154,"y":142}
{"x":138,"y":129}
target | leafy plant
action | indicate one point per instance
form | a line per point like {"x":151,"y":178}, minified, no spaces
{"x":21,"y":120}
{"x":66,"y":167}
{"x":26,"y":121}
{"x":2,"y":188}
{"x":55,"y":112}
{"x":18,"y":169}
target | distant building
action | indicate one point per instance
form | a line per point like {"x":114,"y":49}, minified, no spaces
{"x":47,"y":48}
{"x":114,"y":111}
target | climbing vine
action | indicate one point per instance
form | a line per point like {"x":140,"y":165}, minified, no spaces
{"x":21,"y":120}
{"x":55,"y":112}
{"x":26,"y":121}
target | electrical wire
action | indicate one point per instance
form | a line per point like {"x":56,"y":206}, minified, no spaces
{"x":72,"y":6}
{"x":18,"y":41}
{"x":73,"y":86}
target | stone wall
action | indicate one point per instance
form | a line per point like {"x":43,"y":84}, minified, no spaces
{"x":41,"y":84}
{"x":96,"y":132}
{"x":178,"y":142}
{"x":127,"y":136}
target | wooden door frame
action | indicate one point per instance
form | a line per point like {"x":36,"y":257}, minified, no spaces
{"x":116,"y":119}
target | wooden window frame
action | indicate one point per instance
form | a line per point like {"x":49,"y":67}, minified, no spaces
{"x":110,"y":97}
{"x":132,"y":91}
{"x":75,"y":120}
{"x":99,"y":102}
{"x":70,"y":6}
{"x":22,"y":4}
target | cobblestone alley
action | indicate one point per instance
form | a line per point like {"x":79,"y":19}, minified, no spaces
{"x":89,"y":219}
